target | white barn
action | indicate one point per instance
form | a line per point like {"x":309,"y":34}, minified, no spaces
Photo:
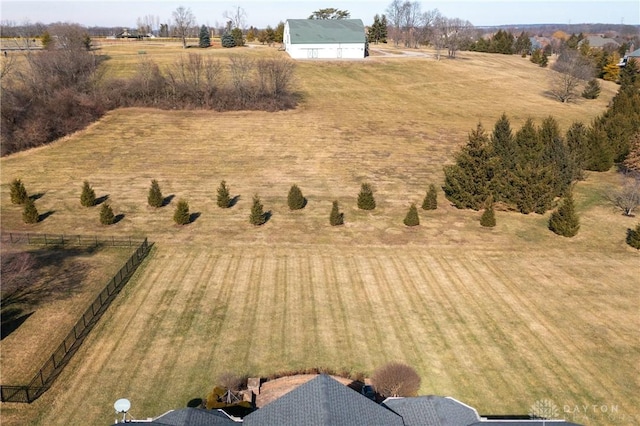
{"x":324,"y":38}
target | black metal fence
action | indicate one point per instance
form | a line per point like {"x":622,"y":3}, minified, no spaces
{"x":61,"y":356}
{"x":68,"y":240}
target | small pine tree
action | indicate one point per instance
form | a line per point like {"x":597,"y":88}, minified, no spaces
{"x":181,"y":216}
{"x":365,"y":198}
{"x":544,"y":61}
{"x":155,"y":197}
{"x":227,"y":40}
{"x":88,"y":196}
{"x":592,"y":91}
{"x":18,"y":192}
{"x":204,"y":37}
{"x":224,"y":198}
{"x":238,"y":37}
{"x":431,"y":200}
{"x":257,"y":216}
{"x":564,"y":221}
{"x":488,"y":218}
{"x":412,"y":218}
{"x":106,"y":215}
{"x":633,"y":237}
{"x":295,"y":199}
{"x":30,"y":213}
{"x":336,"y":218}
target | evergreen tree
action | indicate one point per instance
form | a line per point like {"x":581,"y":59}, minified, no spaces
{"x":564,"y":221}
{"x":412,"y":218}
{"x":238,"y":37}
{"x":30,"y":213}
{"x":181,"y":215}
{"x":155,"y":198}
{"x":488,"y":218}
{"x":295,"y":199}
{"x":578,"y":145}
{"x":592,"y":90}
{"x":257,"y":216}
{"x":18,"y":192}
{"x":544,"y":60}
{"x":600,"y":157}
{"x":204,"y":37}
{"x":523,"y":44}
{"x":88,"y":196}
{"x":430,"y":201}
{"x":467,"y":183}
{"x":106,"y":214}
{"x":227,"y":40}
{"x":336,"y":218}
{"x":224,"y":198}
{"x":633,"y":237}
{"x":556,"y":156}
{"x":503,"y":147}
{"x":378,"y":30}
{"x":366,"y":201}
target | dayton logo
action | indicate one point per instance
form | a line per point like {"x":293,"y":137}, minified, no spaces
{"x":544,"y":409}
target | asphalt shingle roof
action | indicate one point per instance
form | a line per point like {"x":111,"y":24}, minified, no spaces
{"x":312,"y":31}
{"x":189,"y":417}
{"x":432,"y":411}
{"x":323,"y":401}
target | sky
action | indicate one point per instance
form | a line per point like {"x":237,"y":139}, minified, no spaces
{"x":260,"y":13}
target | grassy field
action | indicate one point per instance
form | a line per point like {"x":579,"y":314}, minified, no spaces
{"x":497,"y":318}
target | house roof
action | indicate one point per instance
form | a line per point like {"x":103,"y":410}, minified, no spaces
{"x":312,"y":31}
{"x":323,"y":401}
{"x":432,"y":411}
{"x":598,"y":41}
{"x":188,"y":417}
{"x":635,"y":54}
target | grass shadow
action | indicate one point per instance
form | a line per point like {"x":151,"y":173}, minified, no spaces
{"x":12,"y":319}
{"x":101,"y":200}
{"x":45,"y":215}
{"x":194,"y":216}
{"x":117,"y":218}
{"x":167,"y":200}
{"x":37,"y":196}
{"x":234,"y":201}
{"x":267,"y":216}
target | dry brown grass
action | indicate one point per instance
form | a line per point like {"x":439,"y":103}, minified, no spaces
{"x":496,"y":318}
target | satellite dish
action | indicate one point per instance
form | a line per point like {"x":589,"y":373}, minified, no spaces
{"x":122,"y":405}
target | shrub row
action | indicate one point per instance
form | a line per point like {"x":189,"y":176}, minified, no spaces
{"x":563,"y":221}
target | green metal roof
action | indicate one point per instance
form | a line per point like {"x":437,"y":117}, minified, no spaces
{"x":311,"y":31}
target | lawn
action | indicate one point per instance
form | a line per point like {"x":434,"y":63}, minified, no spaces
{"x":497,"y":318}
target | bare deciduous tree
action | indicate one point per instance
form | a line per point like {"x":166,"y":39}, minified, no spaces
{"x":627,"y":198}
{"x":148,"y":24}
{"x":396,"y":379}
{"x":571,"y":70}
{"x":183,"y":20}
{"x":237,"y":17}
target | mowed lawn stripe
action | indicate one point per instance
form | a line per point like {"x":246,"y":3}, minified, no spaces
{"x":343,"y":338}
{"x":182,"y":352}
{"x":553,"y":346}
{"x":393,"y":293}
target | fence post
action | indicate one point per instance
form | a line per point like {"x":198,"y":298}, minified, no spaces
{"x":96,"y":240}
{"x":28,"y":239}
{"x":45,"y":240}
{"x":62,"y":238}
{"x":11,"y":237}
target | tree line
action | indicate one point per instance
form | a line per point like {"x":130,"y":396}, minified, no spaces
{"x":528,"y":169}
